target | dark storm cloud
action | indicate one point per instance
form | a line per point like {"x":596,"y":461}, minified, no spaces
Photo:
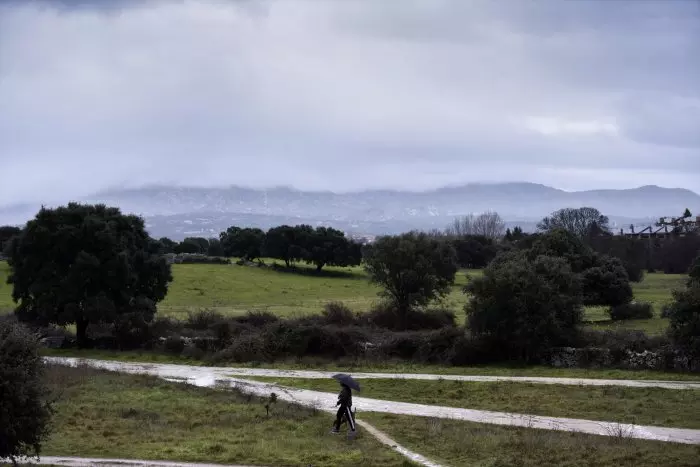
{"x":346,"y":95}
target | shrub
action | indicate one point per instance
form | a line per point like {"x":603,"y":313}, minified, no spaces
{"x":433,"y":318}
{"x":195,"y":258}
{"x":684,"y":321}
{"x":257,"y":318}
{"x":203,"y":319}
{"x":666,"y":310}
{"x":164,"y":326}
{"x":24,"y":410}
{"x":635,"y":271}
{"x":338,"y":313}
{"x":694,"y":273}
{"x":526,"y":307}
{"x":438,"y":346}
{"x":382,"y":315}
{"x":386,"y":316}
{"x":193,"y":352}
{"x":634,"y":310}
{"x":607,"y":284}
{"x":621,"y":341}
{"x":245,"y":348}
{"x":467,"y":350}
{"x":131,"y":331}
{"x":174,"y":345}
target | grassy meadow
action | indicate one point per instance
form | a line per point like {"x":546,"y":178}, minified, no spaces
{"x":233,"y":289}
{"x":644,"y":406}
{"x":101,"y":414}
{"x":453,"y":442}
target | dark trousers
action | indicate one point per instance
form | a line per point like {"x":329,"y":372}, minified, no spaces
{"x":344,"y":411}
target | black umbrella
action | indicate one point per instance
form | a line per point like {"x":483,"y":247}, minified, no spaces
{"x":347,"y":380}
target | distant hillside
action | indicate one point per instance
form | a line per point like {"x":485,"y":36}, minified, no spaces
{"x":181,"y":211}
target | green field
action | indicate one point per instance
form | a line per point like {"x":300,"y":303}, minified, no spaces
{"x":458,"y":443}
{"x":644,"y":406}
{"x":100,"y":414}
{"x":234,"y":289}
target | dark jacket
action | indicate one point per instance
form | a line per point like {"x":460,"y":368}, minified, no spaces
{"x":345,"y":397}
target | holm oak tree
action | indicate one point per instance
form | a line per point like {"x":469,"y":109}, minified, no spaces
{"x":413,"y":268}
{"x":84,"y":264}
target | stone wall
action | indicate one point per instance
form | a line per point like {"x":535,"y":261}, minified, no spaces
{"x":593,"y":357}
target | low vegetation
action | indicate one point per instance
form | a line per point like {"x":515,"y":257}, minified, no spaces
{"x":236,"y":289}
{"x":629,"y":311}
{"x":102,"y":414}
{"x":684,"y":316}
{"x":25,"y":407}
{"x":644,"y":406}
{"x":464,"y":443}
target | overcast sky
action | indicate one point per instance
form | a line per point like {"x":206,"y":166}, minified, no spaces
{"x":347,"y":94}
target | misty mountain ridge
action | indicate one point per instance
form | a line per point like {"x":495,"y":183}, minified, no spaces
{"x":180,"y":211}
{"x":526,"y":201}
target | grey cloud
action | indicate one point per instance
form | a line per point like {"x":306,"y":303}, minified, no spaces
{"x":345,"y":95}
{"x":664,"y":120}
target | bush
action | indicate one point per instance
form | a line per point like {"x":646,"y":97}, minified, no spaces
{"x":470,"y":351}
{"x":386,"y":316}
{"x":193,"y":352}
{"x":24,"y":409}
{"x":621,"y":341}
{"x":444,"y":346}
{"x":635,"y":271}
{"x":437,"y":346}
{"x":338,"y":313}
{"x":245,"y":348}
{"x":606,"y":284}
{"x":164,"y":327}
{"x":132,"y":331}
{"x":634,"y":310}
{"x":195,"y":258}
{"x":526,"y":307}
{"x":174,"y":345}
{"x":666,"y":310}
{"x":203,"y":319}
{"x":257,"y":318}
{"x":684,"y":321}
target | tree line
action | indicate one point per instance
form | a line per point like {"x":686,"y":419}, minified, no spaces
{"x":320,"y":246}
{"x":477,"y":240}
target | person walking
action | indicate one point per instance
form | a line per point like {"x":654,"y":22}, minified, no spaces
{"x":344,"y":411}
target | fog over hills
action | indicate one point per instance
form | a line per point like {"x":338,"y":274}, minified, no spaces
{"x":180,"y":211}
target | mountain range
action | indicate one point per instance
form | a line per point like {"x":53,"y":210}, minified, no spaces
{"x":183,"y":211}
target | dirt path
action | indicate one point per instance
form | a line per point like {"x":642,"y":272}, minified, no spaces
{"x":384,"y":439}
{"x":212,"y":377}
{"x":312,"y":374}
{"x":89,"y":462}
{"x":306,"y":374}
